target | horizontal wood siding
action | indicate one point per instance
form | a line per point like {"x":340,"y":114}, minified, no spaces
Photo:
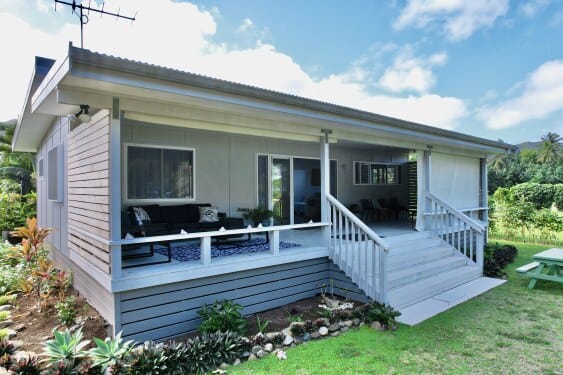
{"x":88,"y":189}
{"x":168,"y":311}
{"x":342,"y":285}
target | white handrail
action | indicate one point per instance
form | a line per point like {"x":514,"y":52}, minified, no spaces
{"x":358,"y":251}
{"x":457,"y":213}
{"x":369,"y":232}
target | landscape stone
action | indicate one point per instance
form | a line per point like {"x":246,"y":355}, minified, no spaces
{"x":252,"y":357}
{"x":288,"y":340}
{"x":5,"y":307}
{"x":287,"y":332}
{"x":245,"y":354}
{"x":223,"y":366}
{"x":377,"y":326}
{"x":347,"y":323}
{"x":335,"y":333}
{"x":271,"y":335}
{"x":262,"y":353}
{"x":315,"y":335}
{"x":256,"y":349}
{"x":323,"y":331}
{"x":236,"y":362}
{"x":334,"y":327}
{"x":269,"y":347}
{"x":344,"y":329}
{"x":11,"y":334}
{"x":6,"y":323}
{"x":306,"y":336}
{"x":20,"y":327}
{"x":16,"y":343}
{"x":356,"y":322}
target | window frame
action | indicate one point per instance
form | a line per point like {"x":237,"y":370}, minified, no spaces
{"x":370,"y":165}
{"x":125,"y":170}
{"x":56,"y":173}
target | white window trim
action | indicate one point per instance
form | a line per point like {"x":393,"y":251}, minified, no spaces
{"x":369,"y":177}
{"x":124,"y":191}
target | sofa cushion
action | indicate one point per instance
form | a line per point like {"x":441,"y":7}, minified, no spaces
{"x":174,"y":214}
{"x":193,"y":211}
{"x":208,"y":215}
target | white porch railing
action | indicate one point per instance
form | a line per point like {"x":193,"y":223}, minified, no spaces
{"x":358,"y":251}
{"x":205,"y":240}
{"x":456,"y":228}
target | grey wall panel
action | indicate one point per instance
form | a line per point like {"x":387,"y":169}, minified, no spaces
{"x":225,"y":166}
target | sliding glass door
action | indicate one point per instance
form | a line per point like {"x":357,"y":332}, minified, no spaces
{"x":281,"y":189}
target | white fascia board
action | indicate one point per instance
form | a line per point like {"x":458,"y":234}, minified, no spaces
{"x":49,"y":83}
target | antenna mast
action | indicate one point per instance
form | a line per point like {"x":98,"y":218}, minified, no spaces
{"x":78,"y":10}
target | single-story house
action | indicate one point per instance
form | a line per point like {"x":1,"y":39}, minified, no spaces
{"x":143,"y":170}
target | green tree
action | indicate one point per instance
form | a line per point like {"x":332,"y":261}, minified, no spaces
{"x":15,"y":166}
{"x":549,"y":151}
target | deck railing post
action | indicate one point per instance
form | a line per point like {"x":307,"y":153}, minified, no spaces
{"x":275,"y":243}
{"x":383,"y":276}
{"x":480,"y":250}
{"x":205,"y":250}
{"x":325,"y":184}
{"x":115,"y":255}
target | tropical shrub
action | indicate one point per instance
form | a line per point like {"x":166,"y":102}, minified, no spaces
{"x":377,"y":312}
{"x":222,"y":316}
{"x":206,"y":352}
{"x":496,"y":258}
{"x":111,"y":353}
{"x":65,"y":352}
{"x":150,"y":358}
{"x":66,"y":311}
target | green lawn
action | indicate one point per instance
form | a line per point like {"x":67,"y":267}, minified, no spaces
{"x":509,"y":330}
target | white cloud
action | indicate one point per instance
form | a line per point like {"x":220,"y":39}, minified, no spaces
{"x":179,"y":35}
{"x":246,"y":25}
{"x":533,"y":7}
{"x":459,"y":19}
{"x":409,"y":73}
{"x":541,"y":95}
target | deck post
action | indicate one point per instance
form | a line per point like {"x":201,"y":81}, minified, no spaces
{"x":484,"y":201}
{"x":275,"y":243}
{"x":115,"y":188}
{"x":423,"y":168}
{"x":205,"y":250}
{"x":325,"y":184}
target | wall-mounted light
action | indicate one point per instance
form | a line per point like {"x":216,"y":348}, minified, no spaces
{"x":83,"y":115}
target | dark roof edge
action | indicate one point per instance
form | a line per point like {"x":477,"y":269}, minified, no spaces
{"x":87,"y":57}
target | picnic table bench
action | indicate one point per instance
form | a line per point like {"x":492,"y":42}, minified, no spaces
{"x":551,"y":259}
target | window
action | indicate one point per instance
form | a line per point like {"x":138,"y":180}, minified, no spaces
{"x":55,"y":182}
{"x":160,"y":173}
{"x":368,"y":173}
{"x":40,"y":168}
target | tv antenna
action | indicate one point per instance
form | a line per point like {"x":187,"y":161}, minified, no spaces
{"x":83,"y":13}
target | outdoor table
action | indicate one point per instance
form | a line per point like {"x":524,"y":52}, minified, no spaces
{"x":551,"y":259}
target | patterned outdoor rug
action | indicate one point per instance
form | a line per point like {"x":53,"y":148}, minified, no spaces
{"x":191,"y":252}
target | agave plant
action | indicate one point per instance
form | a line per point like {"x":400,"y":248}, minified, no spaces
{"x":65,"y":351}
{"x":110,"y":354}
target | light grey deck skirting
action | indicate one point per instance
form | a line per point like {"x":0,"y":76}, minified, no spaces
{"x":167,"y":311}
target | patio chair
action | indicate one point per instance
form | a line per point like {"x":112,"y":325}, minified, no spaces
{"x":397,"y":208}
{"x":368,"y":210}
{"x":381,"y":211}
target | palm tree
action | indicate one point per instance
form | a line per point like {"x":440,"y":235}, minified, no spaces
{"x":499,"y":162}
{"x":15,"y":166}
{"x":550,"y":148}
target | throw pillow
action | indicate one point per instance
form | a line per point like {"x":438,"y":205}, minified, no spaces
{"x":208,"y":214}
{"x":141,"y":215}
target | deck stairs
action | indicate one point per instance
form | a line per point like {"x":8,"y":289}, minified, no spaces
{"x":422,"y":265}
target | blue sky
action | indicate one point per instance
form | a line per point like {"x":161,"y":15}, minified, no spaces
{"x":491,"y":68}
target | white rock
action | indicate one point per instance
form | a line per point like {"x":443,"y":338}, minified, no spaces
{"x":323,"y":331}
{"x":236,"y":362}
{"x":288,"y":340}
{"x":269,"y":347}
{"x":281,"y":355}
{"x":262,"y":354}
{"x":5,"y":307}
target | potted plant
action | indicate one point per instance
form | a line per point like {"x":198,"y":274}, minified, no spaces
{"x":258,"y":215}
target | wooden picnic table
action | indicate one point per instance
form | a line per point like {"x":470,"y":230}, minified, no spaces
{"x":551,"y":259}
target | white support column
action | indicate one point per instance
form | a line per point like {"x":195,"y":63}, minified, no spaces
{"x":325,"y":184}
{"x":275,"y":242}
{"x":205,"y":250}
{"x":423,"y":170}
{"x":115,"y":188}
{"x":484,"y":201}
